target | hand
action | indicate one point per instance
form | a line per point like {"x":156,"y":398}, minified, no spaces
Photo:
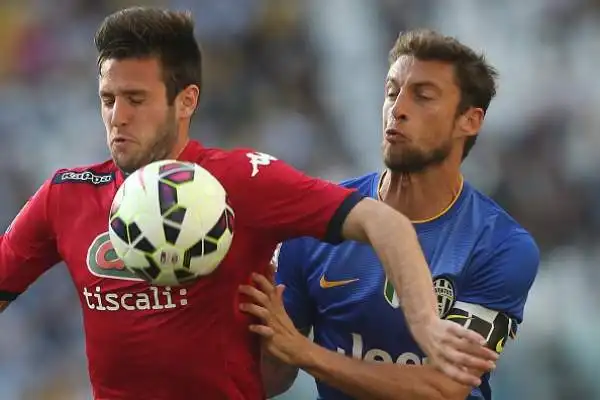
{"x":279,"y":335}
{"x":455,"y":350}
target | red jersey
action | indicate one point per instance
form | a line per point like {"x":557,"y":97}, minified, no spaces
{"x":168,"y":343}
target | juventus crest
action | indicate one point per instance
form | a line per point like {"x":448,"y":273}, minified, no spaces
{"x":444,"y":289}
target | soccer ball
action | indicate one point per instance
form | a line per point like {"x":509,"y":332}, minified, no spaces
{"x":170,"y":223}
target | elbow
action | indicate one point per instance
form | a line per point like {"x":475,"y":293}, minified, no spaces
{"x":276,"y":390}
{"x":436,"y":394}
{"x":436,"y":386}
{"x":275,"y":386}
{"x":452,"y":391}
{"x":277,"y":378}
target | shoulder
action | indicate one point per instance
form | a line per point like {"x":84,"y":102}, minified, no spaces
{"x":506,"y":258}
{"x":90,"y":175}
{"x":497,"y":226}
{"x":245,"y":154}
{"x":236,"y":163}
{"x":364,"y":183}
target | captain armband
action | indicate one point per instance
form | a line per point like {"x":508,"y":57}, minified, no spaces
{"x":494,"y":326}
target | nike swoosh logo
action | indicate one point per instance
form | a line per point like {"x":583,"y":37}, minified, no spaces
{"x":325,"y":284}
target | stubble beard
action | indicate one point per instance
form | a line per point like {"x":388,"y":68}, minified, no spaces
{"x":412,"y":160}
{"x":159,"y":149}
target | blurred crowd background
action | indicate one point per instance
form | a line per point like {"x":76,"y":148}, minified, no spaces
{"x":303,"y":80}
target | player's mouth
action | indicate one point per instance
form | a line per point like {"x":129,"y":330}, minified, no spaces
{"x":393,"y":135}
{"x":121,"y":140}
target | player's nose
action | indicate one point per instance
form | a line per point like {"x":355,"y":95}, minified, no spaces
{"x":400,"y":107}
{"x":121,"y":112}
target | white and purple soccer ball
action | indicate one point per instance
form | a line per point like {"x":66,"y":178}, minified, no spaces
{"x":170,"y":223}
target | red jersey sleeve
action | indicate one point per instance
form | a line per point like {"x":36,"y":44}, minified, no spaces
{"x":28,"y":248}
{"x":278,"y":198}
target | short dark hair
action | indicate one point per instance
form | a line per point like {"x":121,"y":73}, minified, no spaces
{"x":142,"y":32}
{"x":474,"y":76}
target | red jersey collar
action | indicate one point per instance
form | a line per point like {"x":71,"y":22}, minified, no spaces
{"x":189,"y":153}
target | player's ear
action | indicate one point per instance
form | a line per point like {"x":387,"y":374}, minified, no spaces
{"x":187,"y":101}
{"x":469,"y":123}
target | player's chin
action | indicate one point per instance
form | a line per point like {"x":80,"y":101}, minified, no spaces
{"x":391,"y":156}
{"x":126,"y":163}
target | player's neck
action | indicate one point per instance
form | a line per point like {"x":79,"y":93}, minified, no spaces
{"x":180,"y":144}
{"x":421,"y":196}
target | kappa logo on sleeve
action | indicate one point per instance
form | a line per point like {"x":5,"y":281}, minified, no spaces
{"x":259,"y":159}
{"x":89,"y":177}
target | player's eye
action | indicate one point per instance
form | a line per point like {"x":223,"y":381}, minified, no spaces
{"x":423,"y":96}
{"x":136,"y":100}
{"x":391,"y":92}
{"x":107,"y":101}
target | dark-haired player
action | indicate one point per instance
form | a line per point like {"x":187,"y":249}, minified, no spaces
{"x":192,"y":342}
{"x":482,"y":261}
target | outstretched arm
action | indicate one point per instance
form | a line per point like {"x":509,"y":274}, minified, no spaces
{"x":450,"y":347}
{"x":379,"y":381}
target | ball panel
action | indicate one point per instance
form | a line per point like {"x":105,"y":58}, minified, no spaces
{"x":179,"y":177}
{"x":171,"y":233}
{"x":210,"y":245}
{"x":119,"y":227}
{"x":219,"y":228}
{"x":153,"y":270}
{"x":166,"y":166}
{"x":145,"y":246}
{"x":183,"y":275}
{"x":167,"y":197}
{"x":133,"y":231}
{"x":177,"y":214}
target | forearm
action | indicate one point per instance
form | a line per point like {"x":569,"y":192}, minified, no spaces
{"x":399,"y":250}
{"x":395,"y":241}
{"x":373,"y":380}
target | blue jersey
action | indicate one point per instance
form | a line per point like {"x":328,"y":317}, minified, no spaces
{"x":482,"y":261}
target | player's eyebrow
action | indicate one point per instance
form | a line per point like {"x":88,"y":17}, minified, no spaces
{"x":124,"y":92}
{"x":424,"y":84}
{"x":389,"y":80}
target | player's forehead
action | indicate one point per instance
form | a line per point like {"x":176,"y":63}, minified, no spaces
{"x":130,"y":74}
{"x":408,"y":70}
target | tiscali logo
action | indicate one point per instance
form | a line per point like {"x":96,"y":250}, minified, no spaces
{"x":152,"y":298}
